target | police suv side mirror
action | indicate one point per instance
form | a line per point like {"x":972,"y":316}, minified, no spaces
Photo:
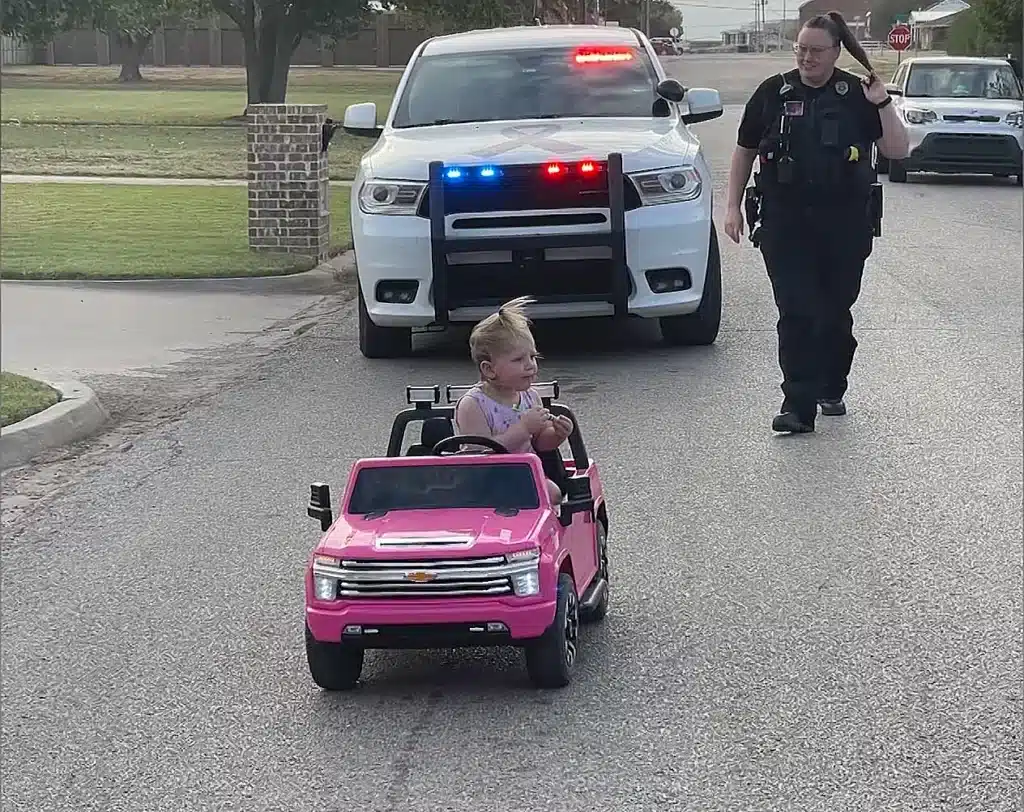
{"x":671,"y":90}
{"x":361,"y":119}
{"x":704,"y":103}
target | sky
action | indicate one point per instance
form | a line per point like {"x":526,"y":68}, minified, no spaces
{"x":706,"y":19}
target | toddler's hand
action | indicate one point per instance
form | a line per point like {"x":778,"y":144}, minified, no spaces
{"x":536,"y":419}
{"x":563,"y":426}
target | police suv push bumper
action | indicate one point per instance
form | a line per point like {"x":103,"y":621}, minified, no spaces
{"x":529,"y":249}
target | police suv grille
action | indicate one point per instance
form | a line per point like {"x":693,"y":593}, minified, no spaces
{"x":524,"y":188}
{"x":464,"y":577}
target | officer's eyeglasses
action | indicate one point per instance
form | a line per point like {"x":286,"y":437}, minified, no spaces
{"x":813,"y":50}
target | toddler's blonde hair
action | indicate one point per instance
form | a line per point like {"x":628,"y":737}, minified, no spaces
{"x":500,"y":331}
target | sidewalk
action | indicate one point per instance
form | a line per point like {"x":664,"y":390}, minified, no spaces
{"x":130,"y":181}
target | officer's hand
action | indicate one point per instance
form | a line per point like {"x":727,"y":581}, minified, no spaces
{"x":874,"y":89}
{"x":734,"y":224}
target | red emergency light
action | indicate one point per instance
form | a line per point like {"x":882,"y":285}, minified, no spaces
{"x":588,"y":168}
{"x":597,"y":54}
{"x":554,"y":170}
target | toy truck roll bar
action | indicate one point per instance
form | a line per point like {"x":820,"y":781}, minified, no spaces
{"x":425,"y":402}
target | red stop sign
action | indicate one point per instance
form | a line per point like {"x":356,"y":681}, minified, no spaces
{"x":899,"y":38}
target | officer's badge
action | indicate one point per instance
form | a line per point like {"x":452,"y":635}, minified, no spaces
{"x":842,"y":88}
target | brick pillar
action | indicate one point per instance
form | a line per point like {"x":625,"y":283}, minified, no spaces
{"x":289,"y":209}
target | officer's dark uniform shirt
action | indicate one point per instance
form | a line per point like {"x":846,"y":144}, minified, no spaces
{"x":828,"y":132}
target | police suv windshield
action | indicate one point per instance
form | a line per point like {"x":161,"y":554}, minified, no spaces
{"x":527,"y":83}
{"x":963,"y":81}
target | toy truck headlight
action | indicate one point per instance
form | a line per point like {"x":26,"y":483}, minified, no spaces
{"x":325,"y":582}
{"x":526,"y":576}
{"x":1015,"y":118}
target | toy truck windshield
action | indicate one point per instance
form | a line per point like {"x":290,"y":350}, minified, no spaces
{"x":508,"y":486}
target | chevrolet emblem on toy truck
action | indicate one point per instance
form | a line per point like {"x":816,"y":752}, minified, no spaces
{"x":445,"y":547}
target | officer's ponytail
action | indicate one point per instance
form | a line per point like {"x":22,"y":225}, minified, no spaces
{"x":841,"y":34}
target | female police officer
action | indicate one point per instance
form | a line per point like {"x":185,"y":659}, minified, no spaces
{"x":812,"y":130}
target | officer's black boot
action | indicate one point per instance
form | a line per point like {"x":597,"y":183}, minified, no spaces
{"x":792,"y":423}
{"x":832,"y":407}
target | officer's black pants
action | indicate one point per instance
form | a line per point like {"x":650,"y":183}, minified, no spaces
{"x":815,"y":261}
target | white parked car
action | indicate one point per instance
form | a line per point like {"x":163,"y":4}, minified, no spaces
{"x":550,"y":161}
{"x":964,"y":115}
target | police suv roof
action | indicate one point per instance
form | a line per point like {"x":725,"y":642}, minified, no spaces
{"x":529,"y":36}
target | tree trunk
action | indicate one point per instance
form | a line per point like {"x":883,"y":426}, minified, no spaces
{"x":133,"y":47}
{"x":268,"y":58}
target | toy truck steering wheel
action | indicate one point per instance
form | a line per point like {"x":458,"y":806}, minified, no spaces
{"x":467,"y":439}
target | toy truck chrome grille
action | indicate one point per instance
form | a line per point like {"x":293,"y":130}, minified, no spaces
{"x":465,"y":577}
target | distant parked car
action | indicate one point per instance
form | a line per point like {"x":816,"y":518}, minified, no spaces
{"x":965,"y":115}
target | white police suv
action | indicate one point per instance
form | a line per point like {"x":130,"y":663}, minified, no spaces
{"x":550,"y":161}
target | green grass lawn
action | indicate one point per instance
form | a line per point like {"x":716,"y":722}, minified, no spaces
{"x":21,"y":397}
{"x":82,"y":95}
{"x":181,"y":122}
{"x":150,"y":151}
{"x":98,"y":231}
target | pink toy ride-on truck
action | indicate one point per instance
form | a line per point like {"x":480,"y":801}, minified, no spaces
{"x":436,"y":547}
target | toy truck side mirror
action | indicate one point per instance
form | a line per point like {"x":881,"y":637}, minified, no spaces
{"x":320,"y":504}
{"x":579,"y":498}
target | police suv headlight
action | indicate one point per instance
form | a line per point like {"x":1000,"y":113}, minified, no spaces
{"x":390,"y":196}
{"x":915,"y":115}
{"x":672,"y":185}
{"x":1016,"y":118}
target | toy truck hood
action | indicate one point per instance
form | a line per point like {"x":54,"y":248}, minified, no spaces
{"x":953,"y":106}
{"x":418,"y":534}
{"x":645,"y":144}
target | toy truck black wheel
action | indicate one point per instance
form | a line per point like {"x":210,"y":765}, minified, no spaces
{"x":551,"y":657}
{"x":897,"y":172}
{"x":600,"y":610}
{"x":333,"y":666}
{"x":381,"y":342}
{"x":700,"y":327}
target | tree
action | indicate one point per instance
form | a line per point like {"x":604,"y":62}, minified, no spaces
{"x":131,"y":22}
{"x":465,"y":15}
{"x":273,"y":29}
{"x":1002,"y":21}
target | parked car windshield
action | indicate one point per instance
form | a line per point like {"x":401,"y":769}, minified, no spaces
{"x":529,"y":83}
{"x":444,"y":487}
{"x":963,"y":81}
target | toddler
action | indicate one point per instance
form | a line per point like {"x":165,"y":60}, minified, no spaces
{"x":504,"y":405}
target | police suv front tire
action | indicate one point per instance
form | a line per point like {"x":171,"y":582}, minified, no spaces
{"x":381,"y":342}
{"x":700,"y":327}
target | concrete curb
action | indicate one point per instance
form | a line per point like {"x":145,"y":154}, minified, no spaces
{"x":76,"y":415}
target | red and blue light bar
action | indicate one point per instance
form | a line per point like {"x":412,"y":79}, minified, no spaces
{"x":552,"y":170}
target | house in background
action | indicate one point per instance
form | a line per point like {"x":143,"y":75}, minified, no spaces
{"x":771,"y":35}
{"x":930,"y":26}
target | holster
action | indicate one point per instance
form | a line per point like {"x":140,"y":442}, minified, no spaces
{"x":875,"y":209}
{"x":752,"y":210}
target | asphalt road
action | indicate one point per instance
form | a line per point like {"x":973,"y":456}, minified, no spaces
{"x":830,"y":622}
